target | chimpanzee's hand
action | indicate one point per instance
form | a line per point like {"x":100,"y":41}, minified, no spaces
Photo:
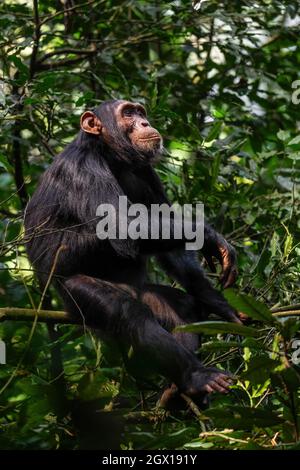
{"x":208,"y":380}
{"x":219,"y":248}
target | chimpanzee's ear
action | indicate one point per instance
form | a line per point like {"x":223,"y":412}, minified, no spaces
{"x":90,"y":123}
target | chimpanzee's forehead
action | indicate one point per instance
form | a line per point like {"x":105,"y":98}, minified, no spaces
{"x":116,"y":103}
{"x":123,"y":103}
{"x":115,"y":107}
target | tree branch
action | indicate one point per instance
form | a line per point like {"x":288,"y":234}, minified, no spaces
{"x":9,"y":214}
{"x":67,"y":10}
{"x":37,"y":35}
{"x":62,"y":63}
{"x":59,"y":316}
{"x":17,"y":159}
{"x":68,"y":50}
{"x":24,"y":314}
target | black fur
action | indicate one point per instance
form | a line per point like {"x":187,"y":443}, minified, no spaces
{"x":60,"y":224}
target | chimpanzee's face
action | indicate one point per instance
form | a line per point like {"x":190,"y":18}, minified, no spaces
{"x":123,"y":126}
{"x":132,"y":119}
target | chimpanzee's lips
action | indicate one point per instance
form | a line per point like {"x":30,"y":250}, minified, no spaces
{"x":151,"y":137}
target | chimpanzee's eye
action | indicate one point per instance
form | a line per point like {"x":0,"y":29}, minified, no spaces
{"x":129,"y":112}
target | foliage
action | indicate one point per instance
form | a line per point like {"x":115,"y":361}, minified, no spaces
{"x":217,"y":78}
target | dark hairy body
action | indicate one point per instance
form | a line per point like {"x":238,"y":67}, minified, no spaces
{"x":104,"y":282}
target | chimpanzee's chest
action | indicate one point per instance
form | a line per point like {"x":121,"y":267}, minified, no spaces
{"x":136,"y":187}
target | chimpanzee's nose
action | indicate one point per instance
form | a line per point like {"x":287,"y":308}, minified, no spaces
{"x":145,"y":123}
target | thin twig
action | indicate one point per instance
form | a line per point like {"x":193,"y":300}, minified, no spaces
{"x":37,"y":35}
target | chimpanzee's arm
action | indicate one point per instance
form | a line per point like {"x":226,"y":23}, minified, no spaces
{"x":183,"y":266}
{"x":214,"y":244}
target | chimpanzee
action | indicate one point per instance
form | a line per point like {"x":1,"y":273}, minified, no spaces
{"x":104,"y":282}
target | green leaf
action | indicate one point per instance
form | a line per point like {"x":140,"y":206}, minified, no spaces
{"x":250,"y":306}
{"x":289,"y":327}
{"x":85,"y":98}
{"x":219,"y":345}
{"x":31,"y":101}
{"x":283,"y":135}
{"x":294,"y":141}
{"x":288,"y":245}
{"x":238,"y":417}
{"x":253,"y":446}
{"x":275,"y":244}
{"x":198,"y":444}
{"x":294,"y":155}
{"x":291,"y":379}
{"x":19,"y":64}
{"x":216,"y":327}
{"x":252,"y":343}
{"x":5,"y":164}
{"x":214,"y":132}
{"x":94,"y":385}
{"x":218,"y":113}
{"x":259,"y":369}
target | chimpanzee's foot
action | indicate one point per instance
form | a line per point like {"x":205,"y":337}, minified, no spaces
{"x":172,"y":400}
{"x":208,"y":380}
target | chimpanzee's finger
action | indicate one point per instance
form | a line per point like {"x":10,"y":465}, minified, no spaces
{"x":208,"y":389}
{"x":231,"y":316}
{"x":242,"y":316}
{"x":229,"y":277}
{"x":210,"y":263}
{"x":224,"y":382}
{"x":218,"y":388}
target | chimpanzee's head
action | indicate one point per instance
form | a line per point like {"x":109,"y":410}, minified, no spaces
{"x":123,"y":127}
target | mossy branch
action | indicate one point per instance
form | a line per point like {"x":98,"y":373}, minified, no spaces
{"x":24,"y":314}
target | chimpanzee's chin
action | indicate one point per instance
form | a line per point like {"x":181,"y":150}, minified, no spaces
{"x":150,"y":154}
{"x":154,"y":158}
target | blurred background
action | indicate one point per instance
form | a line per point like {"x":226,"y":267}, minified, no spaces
{"x":221,"y":82}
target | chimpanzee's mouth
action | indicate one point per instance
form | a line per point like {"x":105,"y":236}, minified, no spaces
{"x":151,"y":137}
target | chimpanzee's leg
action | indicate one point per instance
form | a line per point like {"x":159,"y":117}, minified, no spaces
{"x":119,"y":312}
{"x":173,"y":307}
